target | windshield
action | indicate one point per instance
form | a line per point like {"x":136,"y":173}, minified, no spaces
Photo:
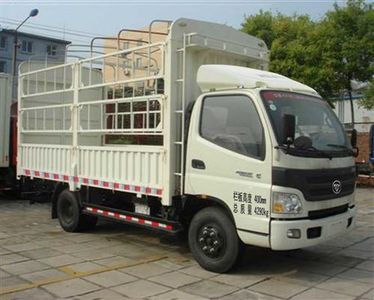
{"x":314,"y":119}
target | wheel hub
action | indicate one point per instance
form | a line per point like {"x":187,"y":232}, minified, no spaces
{"x":210,"y":241}
{"x":67,"y":211}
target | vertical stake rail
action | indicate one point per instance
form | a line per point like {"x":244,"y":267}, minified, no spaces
{"x":36,"y":83}
{"x":180,"y":111}
{"x":147,"y":115}
{"x":45,"y":77}
{"x":102,"y":114}
{"x":28,"y":79}
{"x":64,"y":78}
{"x":88,"y":116}
{"x":75,"y":125}
{"x":183,"y":110}
{"x":55,"y":79}
{"x":115,"y":115}
{"x":117,"y":69}
{"x":19,"y":122}
{"x":54,"y":119}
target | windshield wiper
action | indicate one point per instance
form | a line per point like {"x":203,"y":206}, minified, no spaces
{"x":321,"y":153}
{"x":338,"y":146}
{"x":341,"y":147}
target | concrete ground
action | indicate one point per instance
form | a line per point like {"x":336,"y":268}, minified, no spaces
{"x":40,"y":261}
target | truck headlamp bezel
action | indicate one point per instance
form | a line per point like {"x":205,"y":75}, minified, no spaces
{"x":286,"y":203}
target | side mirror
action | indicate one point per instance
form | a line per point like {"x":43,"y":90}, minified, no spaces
{"x":354,"y":138}
{"x":289,"y":124}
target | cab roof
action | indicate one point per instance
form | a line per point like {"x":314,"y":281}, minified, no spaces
{"x":224,"y":77}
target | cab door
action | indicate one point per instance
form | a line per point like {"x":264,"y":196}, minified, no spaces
{"x":229,"y":157}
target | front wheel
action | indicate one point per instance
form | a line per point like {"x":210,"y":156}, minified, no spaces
{"x":213,"y":240}
{"x":69,"y":213}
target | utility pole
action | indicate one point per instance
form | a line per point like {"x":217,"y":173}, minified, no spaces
{"x":32,"y":13}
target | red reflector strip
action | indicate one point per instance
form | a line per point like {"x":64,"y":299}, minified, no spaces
{"x":132,"y":219}
{"x":95,"y":182}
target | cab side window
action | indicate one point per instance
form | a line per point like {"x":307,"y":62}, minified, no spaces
{"x":232,"y":122}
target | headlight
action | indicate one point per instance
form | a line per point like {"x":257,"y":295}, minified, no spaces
{"x":284,"y":203}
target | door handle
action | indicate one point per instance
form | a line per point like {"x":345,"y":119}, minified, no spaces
{"x":198,"y":164}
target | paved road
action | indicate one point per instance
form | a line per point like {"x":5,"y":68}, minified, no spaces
{"x":40,"y":261}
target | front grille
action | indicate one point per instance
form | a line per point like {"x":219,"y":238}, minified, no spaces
{"x":324,"y":213}
{"x":323,"y":179}
{"x":320,"y":187}
{"x":316,"y":185}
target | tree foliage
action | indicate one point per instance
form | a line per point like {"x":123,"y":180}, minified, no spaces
{"x":261,"y":25}
{"x":348,"y":35}
{"x":368,"y":99}
{"x":325,"y":54}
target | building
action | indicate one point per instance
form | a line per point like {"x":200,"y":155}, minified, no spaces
{"x":31,"y":46}
{"x":363,"y":117}
{"x":364,"y":120}
{"x":137,"y":63}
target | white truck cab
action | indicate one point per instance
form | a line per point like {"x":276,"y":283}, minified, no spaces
{"x":281,"y":195}
{"x":188,"y":132}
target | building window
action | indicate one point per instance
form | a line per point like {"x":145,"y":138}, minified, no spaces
{"x":138,"y":63}
{"x":139,"y":43}
{"x":3,"y":42}
{"x":127,"y":64}
{"x":26,"y":46}
{"x":126,"y":45}
{"x":2,"y":67}
{"x":52,"y":50}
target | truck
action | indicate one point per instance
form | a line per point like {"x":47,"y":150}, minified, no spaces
{"x":189,"y":133}
{"x":7,"y":161}
{"x":34,"y":190}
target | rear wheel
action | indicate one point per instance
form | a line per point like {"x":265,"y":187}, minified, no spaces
{"x":213,"y":240}
{"x":69,"y":213}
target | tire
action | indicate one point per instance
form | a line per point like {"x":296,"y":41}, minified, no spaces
{"x":213,"y":240}
{"x":69,"y":213}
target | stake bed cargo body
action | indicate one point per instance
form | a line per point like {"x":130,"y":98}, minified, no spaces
{"x":65,"y":110}
{"x":188,"y":133}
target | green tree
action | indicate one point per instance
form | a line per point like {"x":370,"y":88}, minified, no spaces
{"x":260,"y":25}
{"x":348,"y":45}
{"x":327,"y":54}
{"x":368,"y":99}
{"x":292,"y":42}
{"x":296,"y":53}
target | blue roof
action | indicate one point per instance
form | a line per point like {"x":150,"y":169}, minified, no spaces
{"x":35,"y":36}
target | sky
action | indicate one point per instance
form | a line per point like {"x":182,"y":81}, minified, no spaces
{"x":88,"y":18}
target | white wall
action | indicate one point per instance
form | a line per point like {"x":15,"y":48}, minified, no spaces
{"x":362,"y":115}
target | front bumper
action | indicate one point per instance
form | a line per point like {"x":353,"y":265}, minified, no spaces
{"x":313,"y":232}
